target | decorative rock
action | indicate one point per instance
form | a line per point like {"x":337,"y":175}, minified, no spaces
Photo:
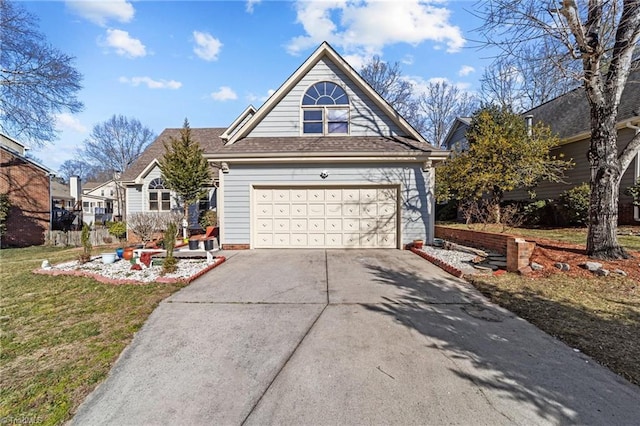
{"x":562,"y":266}
{"x":525,"y":270}
{"x":536,"y":266}
{"x":591,"y":266}
{"x":601,"y":272}
{"x":620,"y":272}
{"x":45,"y":264}
{"x":483,"y":268}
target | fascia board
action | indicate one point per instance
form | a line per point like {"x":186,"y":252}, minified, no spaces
{"x":140,"y":178}
{"x":250,"y":110}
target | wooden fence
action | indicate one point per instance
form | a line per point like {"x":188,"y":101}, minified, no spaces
{"x":99,"y":237}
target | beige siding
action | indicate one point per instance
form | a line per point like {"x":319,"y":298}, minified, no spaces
{"x":366,"y":118}
{"x":577,"y":152}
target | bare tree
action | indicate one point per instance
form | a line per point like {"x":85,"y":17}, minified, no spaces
{"x":440,"y":104}
{"x":116,"y":143}
{"x":387,"y":80}
{"x":594,"y":42}
{"x":525,"y":81}
{"x":37,"y":81}
{"x":78,"y":168}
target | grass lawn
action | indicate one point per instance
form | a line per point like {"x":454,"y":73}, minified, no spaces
{"x":568,"y":235}
{"x":59,"y":336}
{"x":600,"y":316}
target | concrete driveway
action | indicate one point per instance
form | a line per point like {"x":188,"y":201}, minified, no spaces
{"x":348,"y":337}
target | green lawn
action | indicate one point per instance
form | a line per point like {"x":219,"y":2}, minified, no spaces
{"x":59,"y":336}
{"x":568,"y":235}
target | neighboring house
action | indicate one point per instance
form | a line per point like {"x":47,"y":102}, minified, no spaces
{"x":456,"y":139}
{"x":102,"y":201}
{"x":66,"y":212}
{"x":569,"y":117}
{"x":324,"y":163}
{"x":28,"y":185}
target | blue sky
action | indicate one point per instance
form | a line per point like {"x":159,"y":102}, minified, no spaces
{"x":162,"y":61}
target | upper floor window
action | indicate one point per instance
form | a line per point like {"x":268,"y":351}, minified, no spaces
{"x":325,"y":110}
{"x":159,"y":196}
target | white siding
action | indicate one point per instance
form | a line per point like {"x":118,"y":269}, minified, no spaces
{"x":415,"y":204}
{"x":366,"y":118}
{"x":134,"y":199}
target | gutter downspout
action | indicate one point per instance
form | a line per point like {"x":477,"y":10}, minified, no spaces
{"x":636,"y":209}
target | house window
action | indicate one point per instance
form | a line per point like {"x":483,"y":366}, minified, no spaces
{"x":159,"y":196}
{"x":325,"y":110}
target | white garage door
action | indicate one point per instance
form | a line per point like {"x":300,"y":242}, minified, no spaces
{"x":325,"y":217}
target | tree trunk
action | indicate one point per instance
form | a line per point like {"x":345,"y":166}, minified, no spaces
{"x":602,"y":239}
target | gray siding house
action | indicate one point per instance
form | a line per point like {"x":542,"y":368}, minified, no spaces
{"x":324,"y":163}
{"x":568,"y":117}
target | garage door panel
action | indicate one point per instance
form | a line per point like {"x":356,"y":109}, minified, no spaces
{"x":299,"y":240}
{"x":325,"y":217}
{"x":264,"y":194}
{"x":280,"y":195}
{"x":299,"y":210}
{"x":281,"y":240}
{"x":281,"y":210}
{"x":265,"y":239}
{"x":334,"y":209}
{"x":334,"y":225}
{"x":316,"y":225}
{"x":351,"y":210}
{"x":316,"y":240}
{"x":265,"y":225}
{"x":281,"y":225}
{"x":299,"y":195}
{"x":298,"y":225}
{"x":333,"y":194}
{"x":350,"y":195}
{"x":264,"y":210}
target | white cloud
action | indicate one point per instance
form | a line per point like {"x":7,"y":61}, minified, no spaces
{"x":151,"y":83}
{"x":252,"y":98}
{"x":66,"y":121}
{"x":101,"y":11}
{"x":207,"y":46}
{"x":408,"y":60}
{"x":251,"y":4}
{"x":465,"y":70}
{"x":124,"y":44}
{"x":225,"y":93}
{"x":365,"y":27}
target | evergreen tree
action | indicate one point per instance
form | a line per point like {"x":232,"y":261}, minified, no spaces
{"x":184,"y":168}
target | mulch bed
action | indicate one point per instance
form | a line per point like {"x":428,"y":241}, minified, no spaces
{"x":549,"y":252}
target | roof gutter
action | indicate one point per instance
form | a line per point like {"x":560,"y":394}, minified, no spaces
{"x":329,"y":156}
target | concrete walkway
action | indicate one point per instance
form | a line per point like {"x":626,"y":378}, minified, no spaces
{"x":348,"y":337}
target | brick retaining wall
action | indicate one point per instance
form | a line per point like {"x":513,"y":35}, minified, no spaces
{"x":517,"y":250}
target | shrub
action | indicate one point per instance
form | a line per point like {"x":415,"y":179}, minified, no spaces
{"x":448,"y":211}
{"x":169,"y":264}
{"x":208,"y":218}
{"x":573,"y":205}
{"x":85,"y":237}
{"x":634,"y":192}
{"x":5,"y":206}
{"x":537,"y":213}
{"x":117,"y":229}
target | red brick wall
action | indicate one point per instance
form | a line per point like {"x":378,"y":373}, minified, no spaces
{"x":467,"y":237}
{"x":28,"y":189}
{"x":625,"y":214}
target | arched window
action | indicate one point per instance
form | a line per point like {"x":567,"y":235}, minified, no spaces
{"x":325,"y":110}
{"x":159,"y":196}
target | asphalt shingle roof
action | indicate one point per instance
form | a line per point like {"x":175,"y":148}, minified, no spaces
{"x":568,"y":115}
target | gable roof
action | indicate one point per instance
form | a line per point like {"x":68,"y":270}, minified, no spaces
{"x":208,"y":138}
{"x":324,"y":50}
{"x":246,"y":114}
{"x":568,"y":115}
{"x":459,"y":122}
